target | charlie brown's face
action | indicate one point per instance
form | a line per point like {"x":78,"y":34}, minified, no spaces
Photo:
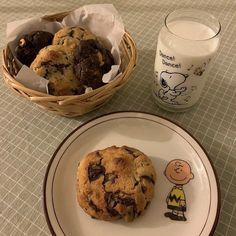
{"x":178,"y":172}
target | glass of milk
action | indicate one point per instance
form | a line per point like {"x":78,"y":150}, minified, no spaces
{"x":186,"y":46}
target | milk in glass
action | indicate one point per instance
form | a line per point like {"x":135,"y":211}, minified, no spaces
{"x":185,"y":49}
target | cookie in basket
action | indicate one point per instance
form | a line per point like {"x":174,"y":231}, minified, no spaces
{"x":55,"y":63}
{"x":71,"y":36}
{"x":115,"y":183}
{"x":92,"y":61}
{"x":30,"y":44}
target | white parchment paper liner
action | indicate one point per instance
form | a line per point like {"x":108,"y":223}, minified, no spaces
{"x":101,"y":19}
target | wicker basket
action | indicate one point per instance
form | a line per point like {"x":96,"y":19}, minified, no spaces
{"x":73,"y":105}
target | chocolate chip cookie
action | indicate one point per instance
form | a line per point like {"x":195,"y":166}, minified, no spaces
{"x":55,"y":63}
{"x":115,"y":183}
{"x":30,"y":44}
{"x":71,"y":36}
{"x":92,"y":61}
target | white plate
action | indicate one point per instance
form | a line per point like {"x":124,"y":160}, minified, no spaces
{"x":162,"y":141}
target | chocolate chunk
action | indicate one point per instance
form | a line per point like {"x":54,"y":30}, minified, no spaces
{"x":95,"y":171}
{"x":71,"y":33}
{"x":89,"y":73}
{"x":148,"y":178}
{"x":91,"y":203}
{"x":98,"y":154}
{"x":91,"y":62}
{"x":139,"y":213}
{"x":86,"y":49}
{"x":61,"y":42}
{"x":61,"y":67}
{"x":46,"y":63}
{"x":51,"y":87}
{"x":46,"y":75}
{"x":144,"y":189}
{"x":110,"y":199}
{"x":126,"y":201}
{"x":131,"y":151}
{"x":109,"y":177}
{"x":146,"y":206}
{"x":112,"y":211}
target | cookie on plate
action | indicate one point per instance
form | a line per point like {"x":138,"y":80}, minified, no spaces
{"x":71,"y":36}
{"x":115,"y":183}
{"x":55,"y":63}
{"x":30,"y":44}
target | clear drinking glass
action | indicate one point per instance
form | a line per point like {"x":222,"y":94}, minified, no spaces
{"x":186,"y":45}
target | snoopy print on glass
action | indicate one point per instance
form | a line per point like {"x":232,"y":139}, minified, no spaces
{"x":172,"y":85}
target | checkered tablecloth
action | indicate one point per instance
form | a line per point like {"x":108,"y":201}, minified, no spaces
{"x":30,"y":135}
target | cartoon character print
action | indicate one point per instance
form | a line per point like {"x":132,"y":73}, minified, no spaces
{"x":171,"y":86}
{"x":179,"y":173}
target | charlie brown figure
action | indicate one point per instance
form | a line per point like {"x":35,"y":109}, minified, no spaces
{"x":179,"y":173}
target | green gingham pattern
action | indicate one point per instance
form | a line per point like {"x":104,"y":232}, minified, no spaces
{"x":29,"y":135}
